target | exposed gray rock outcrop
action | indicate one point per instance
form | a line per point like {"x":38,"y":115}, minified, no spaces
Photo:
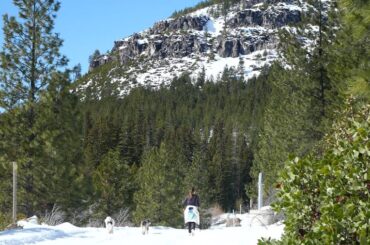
{"x":160,"y":46}
{"x":230,"y":48}
{"x":187,"y":35}
{"x":276,"y":19}
{"x":101,"y":60}
{"x":181,"y":23}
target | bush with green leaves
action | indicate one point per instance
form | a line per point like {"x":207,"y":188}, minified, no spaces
{"x":326,"y":198}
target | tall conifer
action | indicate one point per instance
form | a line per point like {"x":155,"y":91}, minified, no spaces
{"x":29,"y":57}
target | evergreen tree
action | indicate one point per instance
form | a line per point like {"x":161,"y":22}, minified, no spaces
{"x":160,"y":188}
{"x":307,"y":51}
{"x":287,"y":125}
{"x":113,"y":180}
{"x":94,"y":56}
{"x":76,"y":72}
{"x":59,"y":164}
{"x":6,"y":192}
{"x":241,"y":161}
{"x":303,"y":97}
{"x":220,"y":167}
{"x":29,"y":57}
{"x":350,"y":53}
{"x":241,"y":68}
{"x":225,"y":10}
{"x":197,"y":175}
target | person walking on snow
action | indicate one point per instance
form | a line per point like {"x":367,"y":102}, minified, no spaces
{"x":191,"y":213}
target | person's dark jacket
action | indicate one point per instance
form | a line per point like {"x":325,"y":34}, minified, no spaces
{"x":193,"y":200}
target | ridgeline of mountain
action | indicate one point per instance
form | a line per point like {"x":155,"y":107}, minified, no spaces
{"x":245,"y":37}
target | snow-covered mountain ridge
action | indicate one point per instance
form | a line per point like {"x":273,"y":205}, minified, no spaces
{"x":203,"y":41}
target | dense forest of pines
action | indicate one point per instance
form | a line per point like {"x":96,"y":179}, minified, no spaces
{"x":96,"y":157}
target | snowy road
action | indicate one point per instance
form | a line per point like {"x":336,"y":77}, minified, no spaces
{"x":68,"y":234}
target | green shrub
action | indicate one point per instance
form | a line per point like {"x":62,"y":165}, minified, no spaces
{"x":269,"y":241}
{"x":326,"y":199}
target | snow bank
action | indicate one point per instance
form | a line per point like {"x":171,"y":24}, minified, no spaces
{"x":124,"y":235}
{"x":67,"y":233}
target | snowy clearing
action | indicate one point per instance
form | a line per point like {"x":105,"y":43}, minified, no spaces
{"x":69,"y":234}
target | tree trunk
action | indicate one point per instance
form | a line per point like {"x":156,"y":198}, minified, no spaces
{"x":29,"y":178}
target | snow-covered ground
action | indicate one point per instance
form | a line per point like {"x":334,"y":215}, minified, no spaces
{"x":68,"y":234}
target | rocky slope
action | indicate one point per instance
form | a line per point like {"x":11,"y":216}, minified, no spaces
{"x":205,"y":40}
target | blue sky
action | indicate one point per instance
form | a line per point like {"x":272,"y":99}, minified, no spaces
{"x":86,"y":25}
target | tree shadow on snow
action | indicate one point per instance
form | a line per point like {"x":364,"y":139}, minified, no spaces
{"x":33,"y":235}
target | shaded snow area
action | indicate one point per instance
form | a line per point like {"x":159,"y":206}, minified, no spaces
{"x":70,"y":235}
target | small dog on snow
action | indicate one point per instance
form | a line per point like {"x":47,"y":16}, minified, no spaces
{"x":145,"y":226}
{"x":109,"y":224}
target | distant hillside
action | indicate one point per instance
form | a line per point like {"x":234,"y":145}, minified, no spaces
{"x":206,"y":38}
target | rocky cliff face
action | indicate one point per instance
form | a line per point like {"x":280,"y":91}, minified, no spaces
{"x":246,"y":38}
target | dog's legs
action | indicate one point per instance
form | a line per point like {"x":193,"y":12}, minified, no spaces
{"x":110,"y":229}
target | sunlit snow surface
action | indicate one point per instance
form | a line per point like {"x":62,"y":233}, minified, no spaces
{"x":68,"y":234}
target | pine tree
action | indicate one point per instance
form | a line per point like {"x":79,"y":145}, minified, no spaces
{"x":350,"y":53}
{"x":219,"y":166}
{"x":76,"y":72}
{"x":240,"y":161}
{"x":5,"y":190}
{"x":225,"y":10}
{"x":160,"y":187}
{"x":197,"y":175}
{"x":29,"y":57}
{"x":287,"y":125}
{"x":59,"y":163}
{"x":113,"y":181}
{"x":307,"y":51}
{"x":94,"y":56}
{"x":241,"y":68}
{"x":303,"y":97}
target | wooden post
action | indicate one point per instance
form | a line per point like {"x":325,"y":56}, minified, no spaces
{"x":15,"y":168}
